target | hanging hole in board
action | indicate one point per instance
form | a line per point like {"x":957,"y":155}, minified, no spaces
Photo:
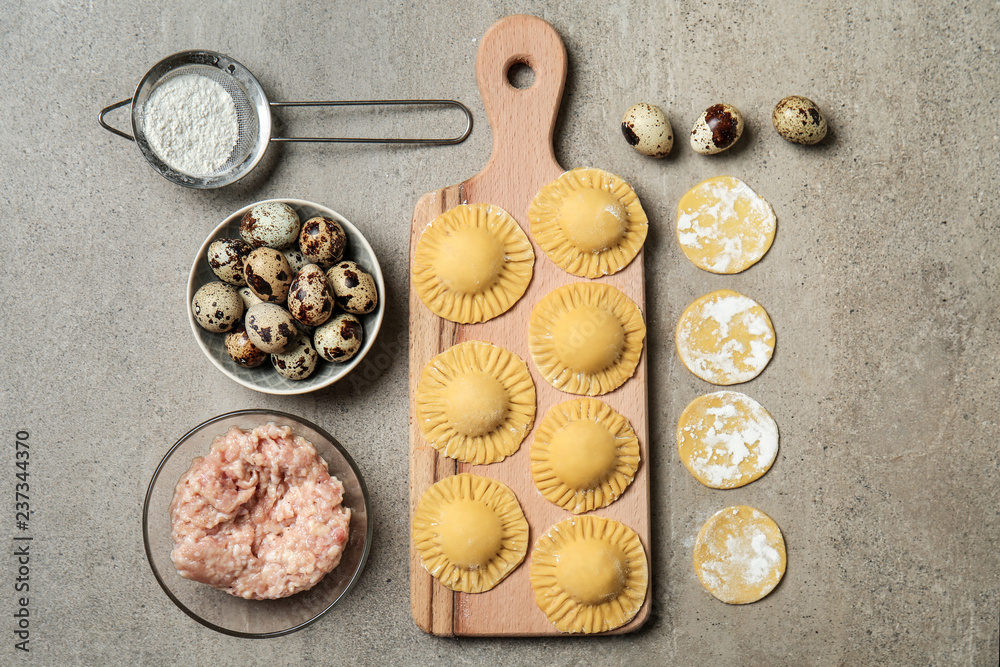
{"x":520,"y":75}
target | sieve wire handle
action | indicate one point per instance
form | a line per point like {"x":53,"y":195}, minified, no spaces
{"x":104,"y":124}
{"x":372,"y":103}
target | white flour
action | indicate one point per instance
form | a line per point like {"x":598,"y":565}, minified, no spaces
{"x":190,"y":122}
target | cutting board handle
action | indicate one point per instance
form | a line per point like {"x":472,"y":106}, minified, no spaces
{"x":522,"y":119}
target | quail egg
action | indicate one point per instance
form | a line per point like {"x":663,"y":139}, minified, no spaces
{"x":296,"y":260}
{"x":647,"y":130}
{"x":353,"y":288}
{"x":322,"y":240}
{"x":717,"y":128}
{"x":272,"y":224}
{"x":799,"y":120}
{"x":268,"y":274}
{"x":226,"y":257}
{"x":309,"y":298}
{"x":217,"y":307}
{"x":242,"y":350}
{"x":340,"y":338}
{"x":297,"y":362}
{"x":270,"y":328}
{"x":249,"y":298}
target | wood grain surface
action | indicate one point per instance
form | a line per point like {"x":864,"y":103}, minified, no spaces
{"x":522,"y":121}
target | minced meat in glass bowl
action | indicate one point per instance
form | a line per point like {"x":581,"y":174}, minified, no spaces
{"x":246,"y":529}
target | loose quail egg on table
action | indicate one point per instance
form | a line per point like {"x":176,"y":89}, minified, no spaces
{"x":799,"y":120}
{"x":717,"y":128}
{"x":647,"y":130}
{"x":235,"y":353}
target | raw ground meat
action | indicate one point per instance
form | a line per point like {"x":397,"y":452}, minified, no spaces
{"x":259,"y":517}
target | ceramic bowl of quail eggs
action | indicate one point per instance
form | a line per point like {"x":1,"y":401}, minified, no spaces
{"x":285,"y":296}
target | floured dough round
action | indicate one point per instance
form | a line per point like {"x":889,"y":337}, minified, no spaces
{"x":723,"y":226}
{"x":586,"y":338}
{"x":727,"y":439}
{"x":470,"y":532}
{"x":475,"y":402}
{"x":589,"y":574}
{"x":472,"y":263}
{"x":739,"y":555}
{"x":584,"y":455}
{"x":589,"y":222}
{"x":725,"y":338}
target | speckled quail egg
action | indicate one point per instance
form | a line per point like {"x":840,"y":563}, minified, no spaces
{"x":296,"y":260}
{"x":217,"y":307}
{"x":717,"y":128}
{"x":353,"y":288}
{"x":340,"y":338}
{"x":310,"y":300}
{"x":297,"y":362}
{"x":272,"y":224}
{"x":226,"y":257}
{"x":270,"y":328}
{"x":242,"y":350}
{"x":647,"y":130}
{"x":268,"y":274}
{"x":322,"y":240}
{"x":799,"y":120}
{"x":249,"y":298}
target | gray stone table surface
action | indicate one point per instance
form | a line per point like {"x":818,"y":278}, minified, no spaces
{"x":882,"y":284}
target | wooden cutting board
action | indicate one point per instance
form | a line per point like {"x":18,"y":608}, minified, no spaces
{"x":523,"y":161}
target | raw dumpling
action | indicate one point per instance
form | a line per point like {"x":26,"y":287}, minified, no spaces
{"x":475,"y":402}
{"x":470,"y":532}
{"x":586,"y":338}
{"x":589,"y":222}
{"x":472,"y":263}
{"x":584,"y":455}
{"x":589,"y":574}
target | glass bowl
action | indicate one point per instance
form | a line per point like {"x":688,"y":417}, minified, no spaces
{"x":227,"y":613}
{"x":264,"y":378}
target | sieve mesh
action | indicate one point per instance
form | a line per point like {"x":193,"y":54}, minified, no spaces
{"x":248,"y":99}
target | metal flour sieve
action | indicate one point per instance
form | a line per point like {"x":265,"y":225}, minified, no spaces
{"x":253,"y":113}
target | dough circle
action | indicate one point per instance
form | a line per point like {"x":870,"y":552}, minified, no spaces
{"x":739,"y":555}
{"x":589,"y":222}
{"x":589,"y":574}
{"x":723,"y":226}
{"x":584,"y":455}
{"x":472,"y":263}
{"x":726,"y":439}
{"x":470,"y":532}
{"x":725,"y":338}
{"x":475,"y":402}
{"x":586,"y":338}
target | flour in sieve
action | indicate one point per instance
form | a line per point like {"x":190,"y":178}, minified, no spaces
{"x":190,"y":122}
